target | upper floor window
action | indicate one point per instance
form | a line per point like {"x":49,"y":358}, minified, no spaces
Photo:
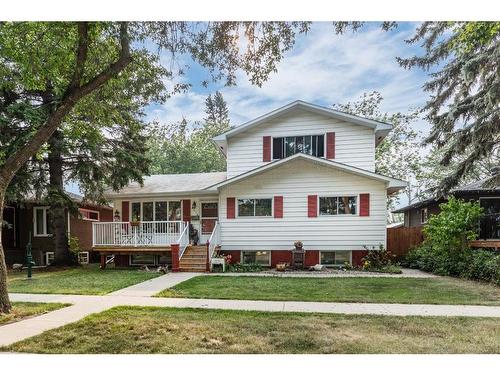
{"x":337,"y":205}
{"x":89,"y":214}
{"x":308,"y":144}
{"x":255,"y":207}
{"x":42,"y":222}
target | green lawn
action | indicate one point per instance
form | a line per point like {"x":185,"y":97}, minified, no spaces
{"x":23,"y":310}
{"x":348,"y":289}
{"x":82,"y":280}
{"x":169,"y":330}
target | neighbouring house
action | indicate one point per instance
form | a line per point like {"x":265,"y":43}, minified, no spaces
{"x":33,"y":216}
{"x":301,"y":172}
{"x":486,"y":192}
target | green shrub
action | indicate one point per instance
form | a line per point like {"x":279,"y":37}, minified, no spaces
{"x":244,"y":267}
{"x":445,"y":250}
{"x":379,"y":260}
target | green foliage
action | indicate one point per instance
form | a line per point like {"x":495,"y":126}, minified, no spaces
{"x":445,"y":250}
{"x":454,"y":226}
{"x":244,"y":267}
{"x":178,"y":148}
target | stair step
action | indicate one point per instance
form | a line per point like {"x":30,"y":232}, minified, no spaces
{"x":191,"y":269}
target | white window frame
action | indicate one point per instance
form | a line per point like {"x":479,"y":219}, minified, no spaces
{"x":335,"y":251}
{"x":422,"y":210}
{"x":255,"y":251}
{"x":142,"y":201}
{"x":254,"y":216}
{"x":93,"y":211}
{"x":337,"y":196}
{"x":307,"y":135}
{"x":44,"y":225}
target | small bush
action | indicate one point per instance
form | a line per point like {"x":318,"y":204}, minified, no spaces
{"x":380,"y":260}
{"x":244,"y":267}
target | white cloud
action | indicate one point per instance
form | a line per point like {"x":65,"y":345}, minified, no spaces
{"x":323,"y":68}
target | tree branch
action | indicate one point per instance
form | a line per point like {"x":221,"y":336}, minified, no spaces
{"x":69,"y":100}
{"x":81,"y":54}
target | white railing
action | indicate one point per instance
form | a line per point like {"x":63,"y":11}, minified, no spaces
{"x":144,"y":233}
{"x":213,"y":242}
{"x":183,"y":240}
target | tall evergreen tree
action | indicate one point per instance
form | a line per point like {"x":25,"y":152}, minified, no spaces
{"x":464,"y":106}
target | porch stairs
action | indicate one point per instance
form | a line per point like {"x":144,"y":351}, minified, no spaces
{"x":194,"y":259}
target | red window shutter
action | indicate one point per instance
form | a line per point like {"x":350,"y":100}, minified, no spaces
{"x":266,"y":148}
{"x":278,"y":207}
{"x":125,"y":211}
{"x":364,"y":204}
{"x":231,"y":210}
{"x":312,"y":205}
{"x":186,"y":209}
{"x":330,"y":145}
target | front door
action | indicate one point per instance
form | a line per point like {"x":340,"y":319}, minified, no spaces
{"x":209,"y":216}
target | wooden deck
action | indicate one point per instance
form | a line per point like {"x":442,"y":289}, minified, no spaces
{"x":126,"y":250}
{"x":495,"y":244}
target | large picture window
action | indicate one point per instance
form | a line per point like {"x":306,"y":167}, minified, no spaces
{"x":345,"y":205}
{"x":257,"y":257}
{"x":307,"y":144}
{"x":42,"y":222}
{"x":156,"y":211}
{"x":255,"y":207}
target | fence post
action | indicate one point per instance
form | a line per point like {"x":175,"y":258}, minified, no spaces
{"x":208,"y":257}
{"x":175,"y":257}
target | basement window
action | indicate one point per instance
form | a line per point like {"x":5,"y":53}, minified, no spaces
{"x":335,"y":258}
{"x":256,"y":257}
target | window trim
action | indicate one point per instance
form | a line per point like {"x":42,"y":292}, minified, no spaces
{"x":155,"y":261}
{"x":422,"y":210}
{"x":254,"y":251}
{"x":87,"y":210}
{"x":300,"y":135}
{"x":254,"y":216}
{"x":337,"y":196}
{"x":44,"y":224}
{"x":154,"y":201}
{"x":335,"y":251}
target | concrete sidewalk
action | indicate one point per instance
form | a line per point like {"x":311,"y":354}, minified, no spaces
{"x":154,"y":286}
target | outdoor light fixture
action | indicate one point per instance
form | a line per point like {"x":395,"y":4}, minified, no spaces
{"x":117,"y":216}
{"x":193,"y":207}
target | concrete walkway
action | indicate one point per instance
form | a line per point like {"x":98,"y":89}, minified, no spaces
{"x":154,"y":286}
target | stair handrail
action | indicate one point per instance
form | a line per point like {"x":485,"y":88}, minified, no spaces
{"x":212,"y":243}
{"x":183,"y":240}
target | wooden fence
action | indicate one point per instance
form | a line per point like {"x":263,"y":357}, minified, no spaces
{"x":401,"y":240}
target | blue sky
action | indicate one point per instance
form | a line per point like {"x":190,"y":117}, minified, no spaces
{"x":323,"y":68}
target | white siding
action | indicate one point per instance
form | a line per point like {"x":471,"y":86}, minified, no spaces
{"x":295,"y":181}
{"x":354,"y":144}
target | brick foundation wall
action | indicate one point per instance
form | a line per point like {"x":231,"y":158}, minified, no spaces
{"x":357,"y":255}
{"x":235,"y":254}
{"x":280,"y":256}
{"x":122,"y":261}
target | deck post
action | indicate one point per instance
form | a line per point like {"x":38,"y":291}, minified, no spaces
{"x":103,"y":262}
{"x":175,"y":257}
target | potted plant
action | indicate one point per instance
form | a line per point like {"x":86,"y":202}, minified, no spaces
{"x":135,"y":221}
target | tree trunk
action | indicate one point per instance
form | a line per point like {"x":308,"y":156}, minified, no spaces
{"x":62,"y":255}
{"x":5,"y":305}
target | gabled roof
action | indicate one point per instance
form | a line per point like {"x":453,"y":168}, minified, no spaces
{"x":381,"y":128}
{"x":170,"y":184}
{"x":393,"y":184}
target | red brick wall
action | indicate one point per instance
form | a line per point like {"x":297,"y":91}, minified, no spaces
{"x":83,"y":228}
{"x":357,"y":255}
{"x":280,"y":256}
{"x":235,"y":254}
{"x":312,"y":258}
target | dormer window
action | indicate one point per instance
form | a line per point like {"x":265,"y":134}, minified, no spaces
{"x":308,"y":144}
